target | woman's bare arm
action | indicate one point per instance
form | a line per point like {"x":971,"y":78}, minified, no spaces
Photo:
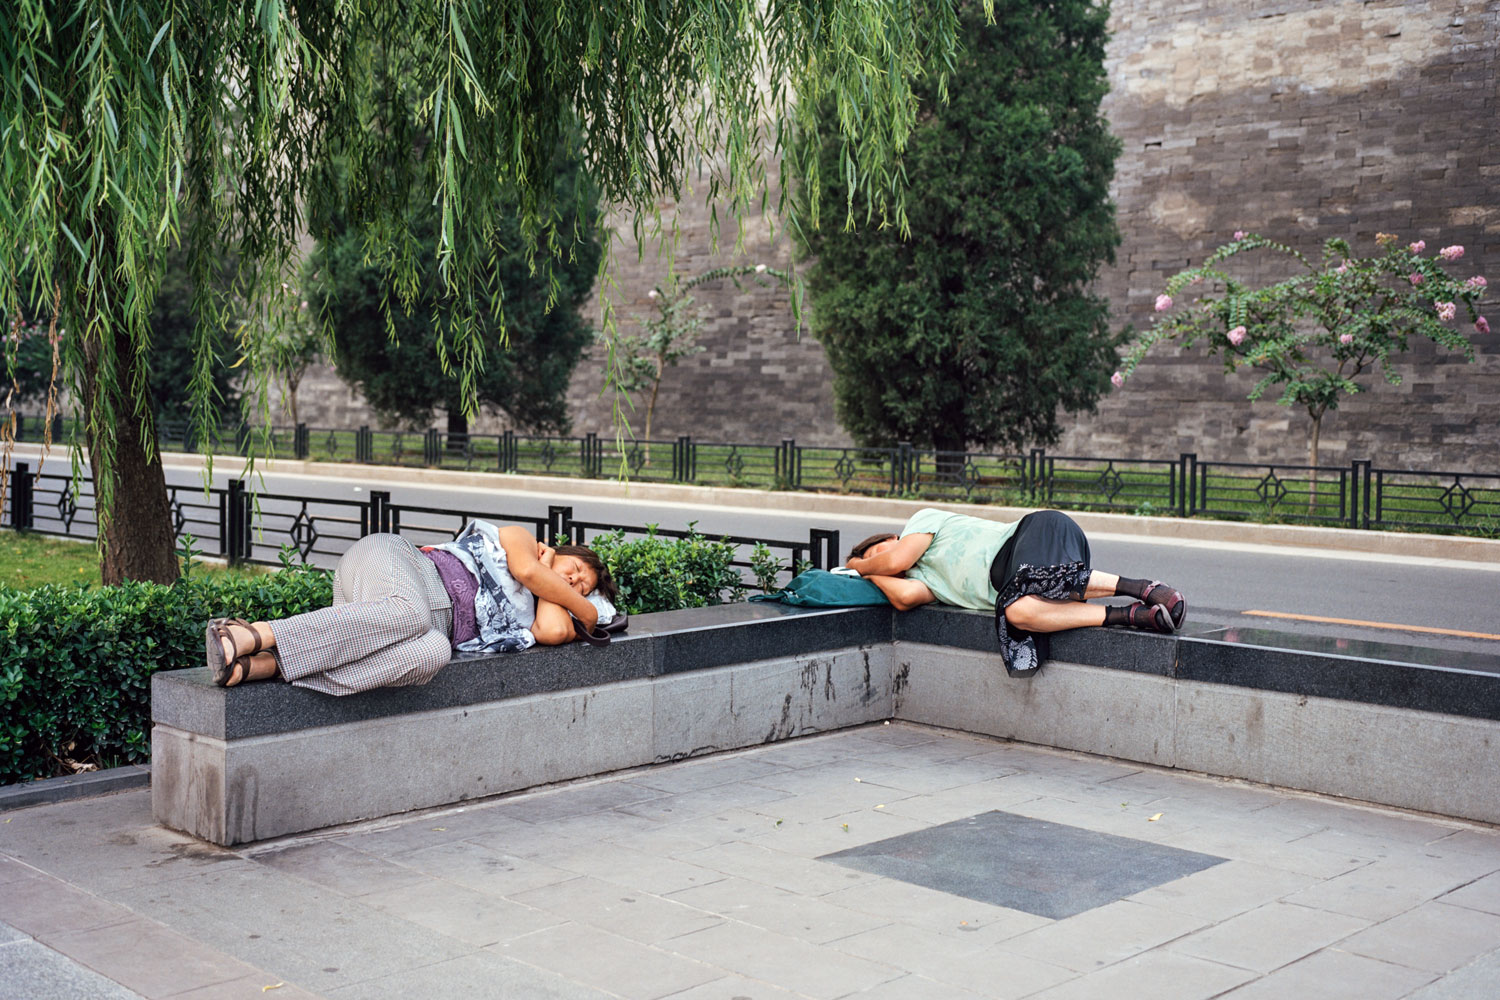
{"x":521,"y":555}
{"x":897,"y":559}
{"x":903,"y":594}
{"x":553,"y":625}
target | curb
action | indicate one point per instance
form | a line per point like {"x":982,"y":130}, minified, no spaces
{"x":46,"y":791}
{"x":1460,"y":548}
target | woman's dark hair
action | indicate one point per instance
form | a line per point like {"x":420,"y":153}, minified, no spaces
{"x":858,"y":552}
{"x":591,"y":559}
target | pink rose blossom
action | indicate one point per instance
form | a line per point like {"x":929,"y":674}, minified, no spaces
{"x":1451,"y":253}
{"x":1239,"y":234}
{"x":1346,"y":338}
{"x":1163,"y":303}
{"x":1445,"y":310}
{"x":1414,"y":278}
{"x":1481,"y":325}
{"x":1418,"y":246}
{"x":1475,"y":283}
{"x":1341,"y":269}
{"x":1237,"y":336}
{"x":1117,"y":379}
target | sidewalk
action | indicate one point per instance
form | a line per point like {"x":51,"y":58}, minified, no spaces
{"x":712,"y":880}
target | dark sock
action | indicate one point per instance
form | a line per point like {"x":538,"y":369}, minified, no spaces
{"x":1116,"y":616}
{"x":1130,"y":587}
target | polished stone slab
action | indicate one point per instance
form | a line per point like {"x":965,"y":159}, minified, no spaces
{"x":1356,"y":671}
{"x":654,"y":646}
{"x":1048,"y":869}
{"x":726,"y":634}
{"x":657,"y":645}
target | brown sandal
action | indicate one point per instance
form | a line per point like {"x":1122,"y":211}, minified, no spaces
{"x":228,"y":673}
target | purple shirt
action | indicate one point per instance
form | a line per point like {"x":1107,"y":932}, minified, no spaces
{"x":461,"y":587}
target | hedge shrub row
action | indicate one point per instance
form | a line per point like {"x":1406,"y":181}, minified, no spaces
{"x":655,"y":573}
{"x":75,"y":664}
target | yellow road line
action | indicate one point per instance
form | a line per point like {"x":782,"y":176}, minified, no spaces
{"x":1355,"y":621}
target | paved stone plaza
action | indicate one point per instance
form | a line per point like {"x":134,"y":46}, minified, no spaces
{"x":713,"y":879}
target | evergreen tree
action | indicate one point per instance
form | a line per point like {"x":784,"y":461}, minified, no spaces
{"x":397,"y":353}
{"x":979,"y":324}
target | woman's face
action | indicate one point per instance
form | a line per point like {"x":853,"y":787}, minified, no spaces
{"x":879,"y":547}
{"x":579,"y":574}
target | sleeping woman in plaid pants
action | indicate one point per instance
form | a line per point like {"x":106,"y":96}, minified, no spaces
{"x":399,"y":611}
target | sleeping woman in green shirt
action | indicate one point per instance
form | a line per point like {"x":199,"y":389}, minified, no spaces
{"x":1034,"y":573}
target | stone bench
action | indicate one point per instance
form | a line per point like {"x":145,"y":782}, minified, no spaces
{"x":263,"y":760}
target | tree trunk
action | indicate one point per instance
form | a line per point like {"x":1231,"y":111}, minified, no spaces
{"x":950,"y":466}
{"x":291,"y":396}
{"x":139,"y":542}
{"x":458,"y":430}
{"x":1312,"y":459}
{"x":651,"y":409}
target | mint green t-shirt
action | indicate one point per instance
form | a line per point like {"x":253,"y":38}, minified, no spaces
{"x":956,"y":566}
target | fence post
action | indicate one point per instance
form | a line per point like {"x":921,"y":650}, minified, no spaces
{"x":1365,"y":506}
{"x":236,"y":526}
{"x":901,"y":468}
{"x":786,"y":464}
{"x":1184,"y":479}
{"x":1353,"y":493}
{"x":57,"y":427}
{"x":380,"y":511}
{"x":588,"y":448}
{"x":1196,"y":498}
{"x":300,"y":442}
{"x":430,"y":447}
{"x":560,"y":524}
{"x":823,"y":549}
{"x":20,"y":496}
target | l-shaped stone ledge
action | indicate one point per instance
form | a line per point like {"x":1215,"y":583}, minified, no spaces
{"x":263,"y":760}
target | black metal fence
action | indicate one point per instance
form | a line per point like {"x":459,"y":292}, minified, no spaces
{"x":1357,"y":495}
{"x":241,"y":526}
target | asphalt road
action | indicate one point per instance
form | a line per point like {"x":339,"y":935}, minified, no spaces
{"x":1223,"y":581}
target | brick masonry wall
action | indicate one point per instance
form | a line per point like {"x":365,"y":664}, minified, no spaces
{"x":1300,"y":120}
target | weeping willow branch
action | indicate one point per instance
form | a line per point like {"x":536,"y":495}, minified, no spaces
{"x":129,"y":128}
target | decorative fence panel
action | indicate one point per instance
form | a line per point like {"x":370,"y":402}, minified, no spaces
{"x":1357,"y":495}
{"x":242,"y":526}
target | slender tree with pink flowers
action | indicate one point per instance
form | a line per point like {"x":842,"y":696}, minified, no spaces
{"x":1316,"y":333}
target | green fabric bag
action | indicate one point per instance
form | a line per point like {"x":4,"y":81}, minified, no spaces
{"x":818,"y":588}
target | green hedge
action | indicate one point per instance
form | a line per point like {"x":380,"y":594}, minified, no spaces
{"x":655,"y":573}
{"x":75,"y":664}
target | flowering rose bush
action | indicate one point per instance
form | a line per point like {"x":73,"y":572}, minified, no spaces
{"x":1315,"y":333}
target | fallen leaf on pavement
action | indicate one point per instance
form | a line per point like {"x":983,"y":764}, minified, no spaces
{"x":1153,"y":819}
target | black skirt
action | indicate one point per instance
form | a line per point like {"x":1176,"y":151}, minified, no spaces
{"x":1046,"y":556}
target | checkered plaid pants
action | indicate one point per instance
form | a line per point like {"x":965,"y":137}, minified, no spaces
{"x":389,"y":626}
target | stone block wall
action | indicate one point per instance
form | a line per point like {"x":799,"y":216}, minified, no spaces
{"x":1300,"y":120}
